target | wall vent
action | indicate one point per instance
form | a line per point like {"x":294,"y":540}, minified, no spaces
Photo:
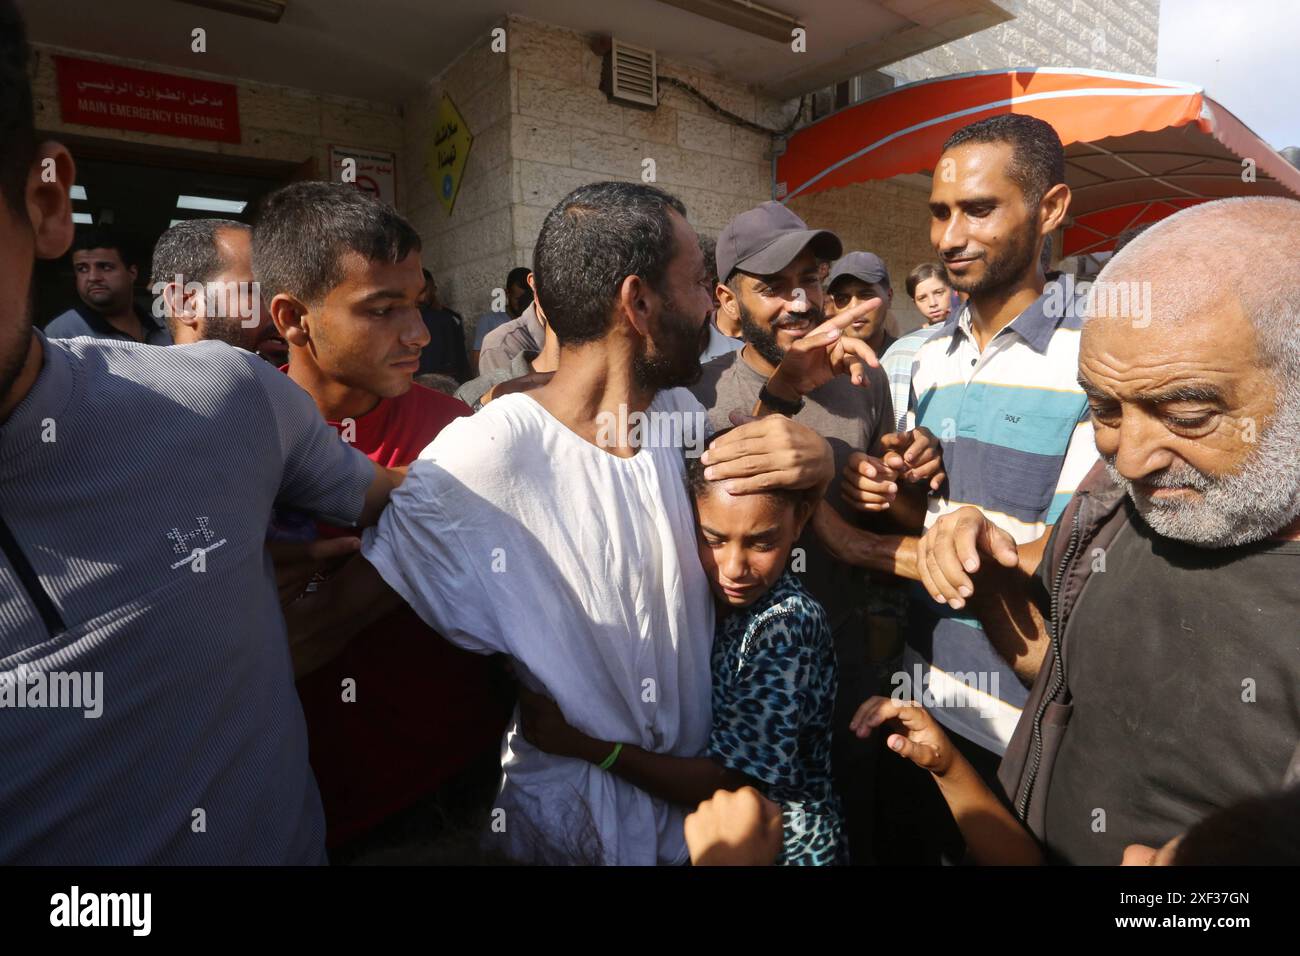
{"x":632,"y":76}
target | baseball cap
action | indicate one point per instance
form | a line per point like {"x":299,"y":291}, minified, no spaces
{"x":866,"y":266}
{"x":766,"y":239}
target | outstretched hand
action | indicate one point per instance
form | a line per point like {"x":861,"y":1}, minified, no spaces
{"x":915,"y":455}
{"x":543,"y":725}
{"x":825,"y":352}
{"x":952,"y":549}
{"x":921,"y":741}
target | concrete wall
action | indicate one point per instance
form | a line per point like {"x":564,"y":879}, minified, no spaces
{"x":542,"y":128}
{"x":1115,"y":35}
{"x":891,"y":218}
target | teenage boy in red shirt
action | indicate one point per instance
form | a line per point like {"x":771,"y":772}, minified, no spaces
{"x":394,"y":718}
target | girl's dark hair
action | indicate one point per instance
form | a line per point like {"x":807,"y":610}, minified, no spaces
{"x":926,"y":270}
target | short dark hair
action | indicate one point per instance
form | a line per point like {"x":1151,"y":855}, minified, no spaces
{"x":926,"y":270}
{"x":102,"y":237}
{"x":709,"y":249}
{"x":596,"y":237}
{"x":189,"y":250}
{"x":1128,"y":235}
{"x":518,"y":277}
{"x":17,"y":116}
{"x":1037,"y":157}
{"x":304,"y":229}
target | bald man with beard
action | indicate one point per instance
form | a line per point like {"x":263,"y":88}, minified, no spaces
{"x":203,"y":280}
{"x":1157,"y":623}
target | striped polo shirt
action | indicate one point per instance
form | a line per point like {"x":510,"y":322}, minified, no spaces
{"x":1017,"y":439}
{"x":897,"y":363}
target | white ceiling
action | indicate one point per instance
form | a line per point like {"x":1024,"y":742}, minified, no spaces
{"x":384,"y":50}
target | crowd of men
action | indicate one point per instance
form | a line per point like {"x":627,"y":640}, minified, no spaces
{"x":625,"y":572}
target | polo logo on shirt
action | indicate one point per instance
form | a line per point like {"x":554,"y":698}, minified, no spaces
{"x":1013,"y":419}
{"x":194,"y":544}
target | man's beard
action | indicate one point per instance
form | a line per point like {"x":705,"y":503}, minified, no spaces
{"x":1261,"y":498}
{"x":1003,"y":270}
{"x":676,"y":358}
{"x":763,"y":340}
{"x":230,"y":331}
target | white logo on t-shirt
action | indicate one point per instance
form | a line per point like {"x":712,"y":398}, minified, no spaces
{"x":194,"y":544}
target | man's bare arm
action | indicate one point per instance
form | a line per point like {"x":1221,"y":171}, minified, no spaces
{"x":1004,"y":604}
{"x":381,"y":486}
{"x":322,"y":623}
{"x":964,"y":556}
{"x":889,"y":553}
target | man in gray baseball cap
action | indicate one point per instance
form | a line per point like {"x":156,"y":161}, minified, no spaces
{"x":766,"y":239}
{"x":769,"y":267}
{"x":854,"y":280}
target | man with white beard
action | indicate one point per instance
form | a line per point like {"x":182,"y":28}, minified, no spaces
{"x":1158,"y":623}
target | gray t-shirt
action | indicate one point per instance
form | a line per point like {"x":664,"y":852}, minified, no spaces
{"x":505,"y":342}
{"x":850,"y":417}
{"x":136,"y":486}
{"x":1183,"y":665}
{"x":472,"y":392}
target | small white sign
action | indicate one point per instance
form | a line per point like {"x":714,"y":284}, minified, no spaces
{"x":372,"y":171}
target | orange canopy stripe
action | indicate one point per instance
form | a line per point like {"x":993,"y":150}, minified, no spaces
{"x":903,"y":131}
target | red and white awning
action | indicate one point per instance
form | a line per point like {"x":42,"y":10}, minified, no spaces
{"x":1137,"y":148}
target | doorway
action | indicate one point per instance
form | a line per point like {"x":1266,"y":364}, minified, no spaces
{"x":135,"y":189}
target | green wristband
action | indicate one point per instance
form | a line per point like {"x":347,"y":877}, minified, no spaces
{"x":613,"y":755}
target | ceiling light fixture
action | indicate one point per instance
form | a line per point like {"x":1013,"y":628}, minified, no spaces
{"x":269,"y":10}
{"x":743,"y":15}
{"x":209,"y":204}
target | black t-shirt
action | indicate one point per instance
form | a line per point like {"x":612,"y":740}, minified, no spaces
{"x":445,"y":352}
{"x":1184,"y":669}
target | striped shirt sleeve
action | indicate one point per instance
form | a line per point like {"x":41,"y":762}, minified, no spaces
{"x":1080,"y":456}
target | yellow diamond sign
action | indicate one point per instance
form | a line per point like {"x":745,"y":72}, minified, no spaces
{"x":448,"y":153}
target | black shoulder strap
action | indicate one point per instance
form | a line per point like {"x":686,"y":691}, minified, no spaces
{"x":31,"y":583}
